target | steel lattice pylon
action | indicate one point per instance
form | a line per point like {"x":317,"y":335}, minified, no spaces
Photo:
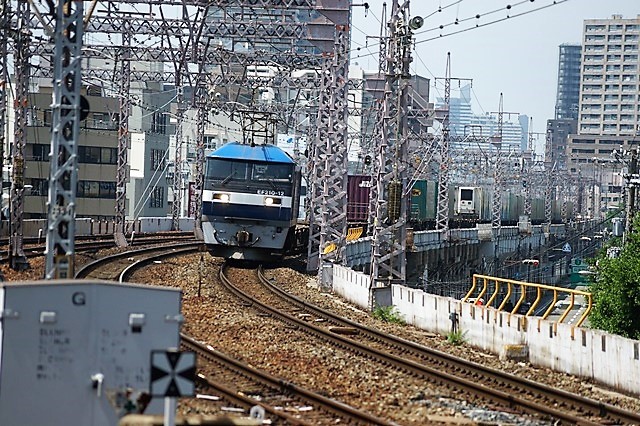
{"x":328,"y":206}
{"x":124,"y":138}
{"x":63,"y":176}
{"x":176,"y":207}
{"x":442,"y":218}
{"x":550,"y":170}
{"x":21,"y":103}
{"x":5,"y":13}
{"x":201,"y":105}
{"x":496,"y":201}
{"x":388,"y":263}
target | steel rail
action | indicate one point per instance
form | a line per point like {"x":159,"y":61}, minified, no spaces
{"x":493,"y":377}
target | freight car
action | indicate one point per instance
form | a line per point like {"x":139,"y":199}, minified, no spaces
{"x":468,"y":205}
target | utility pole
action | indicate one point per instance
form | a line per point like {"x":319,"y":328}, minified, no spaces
{"x":201,"y":105}
{"x":527,"y":170}
{"x":496,"y":141}
{"x":176,"y":206}
{"x":5,"y":25}
{"x":63,"y":176}
{"x":631,"y":201}
{"x":498,"y":184}
{"x":181,"y":65}
{"x":328,"y":201}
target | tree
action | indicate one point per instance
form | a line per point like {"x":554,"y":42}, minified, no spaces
{"x":616,"y":288}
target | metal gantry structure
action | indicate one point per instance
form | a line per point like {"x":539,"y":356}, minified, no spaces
{"x":442,"y":215}
{"x":65,"y":127}
{"x":22,"y":36}
{"x":201,"y":106}
{"x":5,"y":17}
{"x":388,"y":261}
{"x":328,"y":202}
{"x":319,"y":29}
{"x":124,"y":138}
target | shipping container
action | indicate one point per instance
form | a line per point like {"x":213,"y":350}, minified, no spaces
{"x":465,"y":200}
{"x":512,"y":209}
{"x":424,"y":199}
{"x":358,"y":190}
{"x":537,"y":211}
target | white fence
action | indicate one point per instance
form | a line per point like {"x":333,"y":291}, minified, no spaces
{"x":605,"y":358}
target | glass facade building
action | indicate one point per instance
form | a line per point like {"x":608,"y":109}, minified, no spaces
{"x":568,"y":91}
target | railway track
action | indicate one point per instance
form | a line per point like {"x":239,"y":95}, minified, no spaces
{"x":475,"y":381}
{"x":118,"y":267}
{"x":34,"y":247}
{"x":284,"y":402}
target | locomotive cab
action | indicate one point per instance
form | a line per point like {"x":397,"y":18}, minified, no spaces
{"x":465,"y":200}
{"x":250,"y":202}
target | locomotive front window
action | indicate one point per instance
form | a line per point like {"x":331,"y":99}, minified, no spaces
{"x":226,"y":170}
{"x":272,"y":172}
{"x":466,"y":194}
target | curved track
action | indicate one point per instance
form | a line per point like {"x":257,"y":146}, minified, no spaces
{"x":277,"y":397}
{"x":271,"y":393}
{"x":34,"y":247}
{"x":119,"y":266}
{"x":476,"y":381}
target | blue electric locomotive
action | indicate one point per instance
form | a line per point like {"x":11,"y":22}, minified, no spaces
{"x":250,"y":202}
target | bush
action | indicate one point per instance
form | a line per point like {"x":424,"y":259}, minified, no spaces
{"x":616,"y":288}
{"x":456,"y":338}
{"x":388,"y":314}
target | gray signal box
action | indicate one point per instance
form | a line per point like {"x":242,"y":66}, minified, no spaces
{"x":78,"y":352}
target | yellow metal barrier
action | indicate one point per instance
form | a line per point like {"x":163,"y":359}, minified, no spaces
{"x":354,"y":233}
{"x":329,"y":248}
{"x":485,"y":280}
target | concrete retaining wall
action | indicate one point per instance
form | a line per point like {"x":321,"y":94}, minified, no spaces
{"x":605,"y":358}
{"x":351,"y":285}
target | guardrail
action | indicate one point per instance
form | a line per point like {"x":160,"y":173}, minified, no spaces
{"x":491,"y":288}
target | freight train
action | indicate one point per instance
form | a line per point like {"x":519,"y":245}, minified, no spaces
{"x":468,"y":205}
{"x":250,"y":202}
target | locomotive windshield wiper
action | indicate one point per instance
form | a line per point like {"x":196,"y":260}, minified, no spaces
{"x":228,"y":178}
{"x":273,"y":185}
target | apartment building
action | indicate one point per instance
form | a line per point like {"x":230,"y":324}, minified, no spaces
{"x":609,"y":109}
{"x":97,"y":156}
{"x":147,"y":192}
{"x":609,"y":106}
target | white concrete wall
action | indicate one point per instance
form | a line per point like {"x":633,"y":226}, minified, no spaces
{"x":561,"y":347}
{"x":606,"y":358}
{"x":351,"y":285}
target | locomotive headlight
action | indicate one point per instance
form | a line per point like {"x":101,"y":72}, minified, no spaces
{"x":223,"y":198}
{"x":272,"y":201}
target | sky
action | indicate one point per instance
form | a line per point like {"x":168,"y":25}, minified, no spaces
{"x":516,"y":56}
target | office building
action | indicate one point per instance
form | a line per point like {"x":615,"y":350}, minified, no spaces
{"x":478,"y":131}
{"x":568,"y":89}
